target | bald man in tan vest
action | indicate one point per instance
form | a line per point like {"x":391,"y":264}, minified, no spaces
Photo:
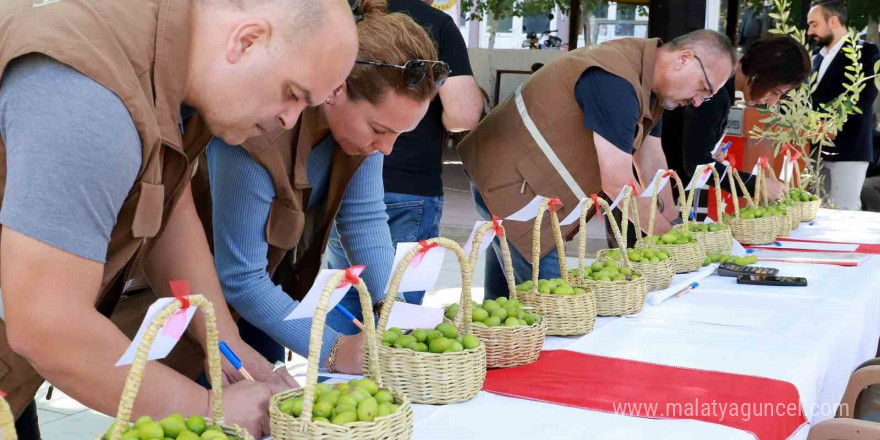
{"x":106,"y":105}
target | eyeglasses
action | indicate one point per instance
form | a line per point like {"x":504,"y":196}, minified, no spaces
{"x":708,"y":83}
{"x":414,"y":71}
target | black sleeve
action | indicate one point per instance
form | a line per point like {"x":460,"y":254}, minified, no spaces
{"x":610,"y":107}
{"x":658,"y":127}
{"x":702,"y":127}
{"x":452,"y":48}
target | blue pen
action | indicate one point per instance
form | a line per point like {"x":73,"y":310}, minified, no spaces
{"x":686,"y":290}
{"x":234,"y":360}
{"x":726,"y":146}
{"x":350,"y":316}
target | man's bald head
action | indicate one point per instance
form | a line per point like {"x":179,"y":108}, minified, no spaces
{"x":297,"y":17}
{"x":255,"y":64}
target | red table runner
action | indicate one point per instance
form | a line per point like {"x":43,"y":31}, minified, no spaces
{"x":769,"y":409}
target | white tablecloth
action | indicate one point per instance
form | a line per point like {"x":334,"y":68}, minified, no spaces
{"x":812,"y":337}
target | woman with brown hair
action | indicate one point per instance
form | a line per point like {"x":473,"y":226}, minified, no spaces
{"x":276,"y":199}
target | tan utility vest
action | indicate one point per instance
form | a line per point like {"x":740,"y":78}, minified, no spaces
{"x":504,"y":160}
{"x":297,"y":235}
{"x":139,"y":50}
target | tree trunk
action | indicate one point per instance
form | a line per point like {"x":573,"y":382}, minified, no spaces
{"x":493,"y":29}
{"x":585,"y":19}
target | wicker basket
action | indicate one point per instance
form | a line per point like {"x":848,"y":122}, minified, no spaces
{"x":756,"y":230}
{"x":398,"y":425}
{"x":784,"y":222}
{"x":659,"y":275}
{"x":806,"y":211}
{"x":614,"y":298}
{"x":433,"y":378}
{"x":136,"y":374}
{"x":7,"y":421}
{"x":686,"y":257}
{"x":565,"y":315}
{"x":717,"y":242}
{"x":507,"y":346}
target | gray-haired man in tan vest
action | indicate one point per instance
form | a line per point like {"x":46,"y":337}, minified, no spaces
{"x":105,"y":106}
{"x":579,"y":125}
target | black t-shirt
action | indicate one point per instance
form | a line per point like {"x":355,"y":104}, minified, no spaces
{"x":415,"y":164}
{"x":611,"y":107}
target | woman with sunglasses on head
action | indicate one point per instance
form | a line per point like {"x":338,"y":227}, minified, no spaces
{"x":276,"y":199}
{"x":770,"y":68}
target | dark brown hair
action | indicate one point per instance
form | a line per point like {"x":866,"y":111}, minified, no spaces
{"x":774,"y":61}
{"x":391,"y":39}
{"x":832,"y":8}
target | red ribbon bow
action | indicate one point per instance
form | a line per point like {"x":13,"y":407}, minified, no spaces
{"x":554,"y":204}
{"x":595,"y":199}
{"x":669,"y":173}
{"x":795,"y":156}
{"x":180,"y":289}
{"x":763,"y":161}
{"x":352,"y":275}
{"x":2,"y":394}
{"x":632,"y":185}
{"x":425,"y":247}
{"x":786,"y":148}
{"x":496,"y":222}
{"x":732,"y":161}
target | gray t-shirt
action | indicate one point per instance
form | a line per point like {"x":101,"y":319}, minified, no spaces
{"x":72,"y":154}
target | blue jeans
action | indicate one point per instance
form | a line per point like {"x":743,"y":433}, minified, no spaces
{"x":410,"y":218}
{"x":495,"y":283}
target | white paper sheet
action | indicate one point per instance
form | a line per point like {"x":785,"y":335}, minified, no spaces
{"x":528,"y":212}
{"x":575,"y":214}
{"x":700,"y":176}
{"x":649,"y":190}
{"x":737,"y":249}
{"x":487,"y":239}
{"x":163,"y":344}
{"x":309,"y":304}
{"x":418,"y":277}
{"x":413,"y":316}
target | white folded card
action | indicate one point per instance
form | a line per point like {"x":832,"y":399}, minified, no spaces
{"x":422,"y":272}
{"x":649,"y":190}
{"x":575,"y":213}
{"x":309,"y":304}
{"x":487,"y":239}
{"x":413,"y":316}
{"x":166,"y":339}
{"x":528,"y":212}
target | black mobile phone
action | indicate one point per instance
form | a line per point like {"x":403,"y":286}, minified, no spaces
{"x":771,"y":280}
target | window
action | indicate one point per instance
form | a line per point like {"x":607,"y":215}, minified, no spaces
{"x":625,"y":12}
{"x":505,"y":24}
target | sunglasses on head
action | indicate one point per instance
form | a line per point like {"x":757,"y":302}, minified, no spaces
{"x":414,"y":71}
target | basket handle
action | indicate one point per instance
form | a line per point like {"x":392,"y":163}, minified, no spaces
{"x":317,"y":333}
{"x":463,"y":318}
{"x":621,"y":241}
{"x":734,"y":176}
{"x":7,"y":421}
{"x":506,"y":259}
{"x":685,"y":214}
{"x":136,"y":373}
{"x":637,"y":224}
{"x":536,"y":243}
{"x":582,"y":236}
{"x":691,"y":195}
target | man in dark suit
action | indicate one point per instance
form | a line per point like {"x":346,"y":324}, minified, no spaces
{"x":847,"y":162}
